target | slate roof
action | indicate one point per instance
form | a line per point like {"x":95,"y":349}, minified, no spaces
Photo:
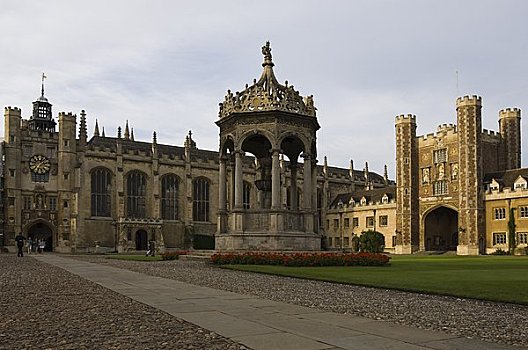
{"x":506,"y":178}
{"x":373,"y":195}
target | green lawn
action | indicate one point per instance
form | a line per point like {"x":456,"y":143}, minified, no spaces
{"x":135,"y":257}
{"x":497,"y":278}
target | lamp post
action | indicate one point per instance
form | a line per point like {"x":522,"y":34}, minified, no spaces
{"x":340,"y":209}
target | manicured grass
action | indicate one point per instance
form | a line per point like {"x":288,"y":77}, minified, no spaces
{"x":496,"y":278}
{"x":135,"y":257}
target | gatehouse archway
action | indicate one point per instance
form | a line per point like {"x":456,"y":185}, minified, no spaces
{"x":441,"y":229}
{"x":141,"y":240}
{"x":41,"y":231}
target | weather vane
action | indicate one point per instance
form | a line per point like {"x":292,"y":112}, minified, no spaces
{"x":43,"y":77}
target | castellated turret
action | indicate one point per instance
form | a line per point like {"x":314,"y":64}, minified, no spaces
{"x":471,"y":204}
{"x":510,"y":129}
{"x":407,"y":220}
{"x":13,"y":118}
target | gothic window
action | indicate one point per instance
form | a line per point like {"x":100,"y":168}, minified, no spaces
{"x":136,"y":194}
{"x":101,"y":192}
{"x":169,"y":197}
{"x":439,"y":188}
{"x":499,"y":213}
{"x":440,"y":155}
{"x":201,"y":200}
{"x":246,"y":195}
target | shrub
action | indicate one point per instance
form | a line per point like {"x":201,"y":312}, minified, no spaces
{"x":500,"y":252}
{"x":301,"y":259}
{"x":372,"y":241}
{"x":170,"y":256}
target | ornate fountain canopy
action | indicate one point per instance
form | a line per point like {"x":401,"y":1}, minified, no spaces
{"x":267,"y":94}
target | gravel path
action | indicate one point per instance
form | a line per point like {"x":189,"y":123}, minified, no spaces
{"x":45,"y":307}
{"x":494,"y":322}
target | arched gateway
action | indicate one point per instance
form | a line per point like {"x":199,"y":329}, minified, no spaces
{"x":41,"y":231}
{"x":441,"y":229}
{"x":267,"y":120}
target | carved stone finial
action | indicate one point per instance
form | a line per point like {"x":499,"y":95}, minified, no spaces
{"x":154,"y":138}
{"x":132,"y":134}
{"x":118,"y":132}
{"x":189,"y":142}
{"x":127,"y":133}
{"x":266,"y":51}
{"x":103,"y":134}
{"x":96,"y":130}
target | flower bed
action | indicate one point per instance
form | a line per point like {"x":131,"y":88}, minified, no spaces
{"x":170,"y":256}
{"x":301,"y":259}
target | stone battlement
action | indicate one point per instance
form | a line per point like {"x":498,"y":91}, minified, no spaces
{"x":12,"y":110}
{"x":67,"y":115}
{"x":405,"y":118}
{"x":469,"y":101}
{"x":510,"y":112}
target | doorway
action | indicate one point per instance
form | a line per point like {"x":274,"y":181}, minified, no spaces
{"x":41,"y":231}
{"x":441,"y":230}
{"x":141,"y":240}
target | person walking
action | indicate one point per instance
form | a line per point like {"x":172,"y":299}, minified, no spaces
{"x":41,"y":245}
{"x":20,"y":244}
{"x":29,"y":244}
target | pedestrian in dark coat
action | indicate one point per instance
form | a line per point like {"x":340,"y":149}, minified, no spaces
{"x":19,"y":239}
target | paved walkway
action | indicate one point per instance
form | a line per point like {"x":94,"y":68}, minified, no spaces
{"x":261,"y":323}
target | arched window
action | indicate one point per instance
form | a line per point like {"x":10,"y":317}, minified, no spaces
{"x":201,"y":200}
{"x":169,"y":197}
{"x":101,"y":192}
{"x":136,"y":191}
{"x":246,"y":194}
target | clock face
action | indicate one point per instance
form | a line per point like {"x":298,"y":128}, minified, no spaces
{"x":39,"y":164}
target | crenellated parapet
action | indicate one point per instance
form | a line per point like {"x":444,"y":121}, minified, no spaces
{"x":510,"y":113}
{"x":267,"y":94}
{"x":12,"y":110}
{"x":467,"y":100}
{"x":406,"y":118}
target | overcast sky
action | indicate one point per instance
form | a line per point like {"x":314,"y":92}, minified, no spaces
{"x":165,"y":65}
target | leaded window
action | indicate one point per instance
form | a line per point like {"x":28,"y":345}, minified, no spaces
{"x":201,"y":200}
{"x":136,"y":194}
{"x":440,"y":155}
{"x":169,"y":197}
{"x":499,"y":238}
{"x":499,"y":213}
{"x":523,"y":212}
{"x":522,"y":237}
{"x":440,"y":187}
{"x":39,"y":177}
{"x":101,"y":192}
